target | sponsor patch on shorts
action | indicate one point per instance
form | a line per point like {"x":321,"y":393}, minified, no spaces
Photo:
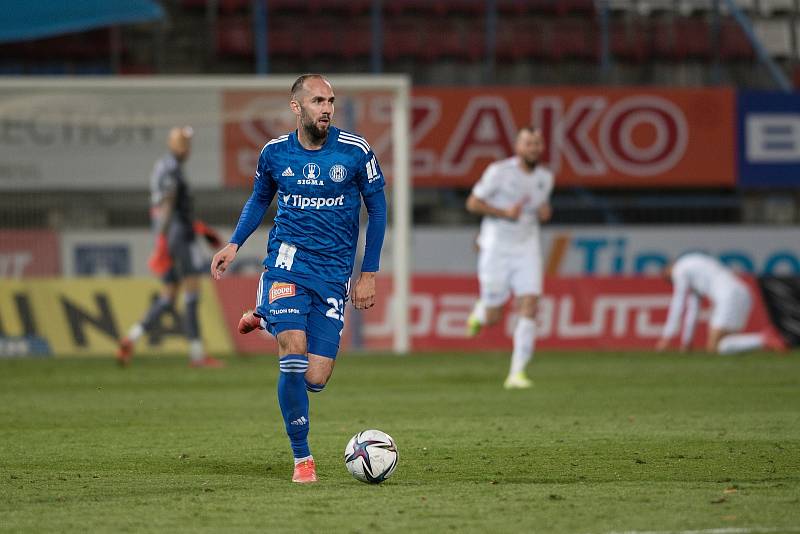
{"x":279,"y":290}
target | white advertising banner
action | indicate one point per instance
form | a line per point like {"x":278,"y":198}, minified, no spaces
{"x":622,"y":250}
{"x":567,"y":251}
{"x":72,"y":136}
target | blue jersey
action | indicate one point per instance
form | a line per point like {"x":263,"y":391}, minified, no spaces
{"x":319,"y":201}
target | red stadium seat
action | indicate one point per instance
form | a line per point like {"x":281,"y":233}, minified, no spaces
{"x":521,"y":39}
{"x":233,"y":6}
{"x":349,"y":7}
{"x":577,"y":6}
{"x":693,"y":38}
{"x":734,"y":44}
{"x":283,"y":41}
{"x":575,"y":38}
{"x":401,"y":40}
{"x":320,"y":40}
{"x":356,"y":41}
{"x":235,"y":37}
{"x":629,"y":41}
{"x":193,"y":4}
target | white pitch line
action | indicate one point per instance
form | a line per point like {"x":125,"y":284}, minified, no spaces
{"x":727,"y":530}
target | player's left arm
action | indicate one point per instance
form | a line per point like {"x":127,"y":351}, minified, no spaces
{"x":690,"y":320}
{"x":545,"y":209}
{"x":371,"y":184}
{"x":676,"y":306}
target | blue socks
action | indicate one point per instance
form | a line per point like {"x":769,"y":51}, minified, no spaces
{"x":293,"y":400}
{"x":314,"y":388}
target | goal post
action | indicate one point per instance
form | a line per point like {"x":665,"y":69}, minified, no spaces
{"x":80,"y":151}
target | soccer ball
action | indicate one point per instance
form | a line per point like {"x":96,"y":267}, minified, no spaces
{"x":371,"y":456}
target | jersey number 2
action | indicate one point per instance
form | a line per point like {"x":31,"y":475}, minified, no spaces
{"x":337,"y":309}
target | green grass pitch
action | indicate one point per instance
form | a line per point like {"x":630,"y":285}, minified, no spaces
{"x":602,"y":443}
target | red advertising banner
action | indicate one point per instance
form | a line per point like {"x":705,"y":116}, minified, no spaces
{"x":596,"y":136}
{"x":26,"y":253}
{"x":259,"y":116}
{"x":614,"y":313}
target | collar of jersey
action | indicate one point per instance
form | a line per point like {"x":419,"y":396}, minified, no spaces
{"x":333,"y":134}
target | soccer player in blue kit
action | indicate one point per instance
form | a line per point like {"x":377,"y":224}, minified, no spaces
{"x":320,"y":174}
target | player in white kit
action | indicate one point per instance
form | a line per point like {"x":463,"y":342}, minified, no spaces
{"x":513,"y":195}
{"x":696,"y":275}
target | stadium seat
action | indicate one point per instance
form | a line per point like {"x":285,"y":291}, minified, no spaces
{"x":621,"y":6}
{"x":234,"y":6}
{"x":283,"y":41}
{"x":356,"y":41}
{"x":734,"y":44}
{"x":521,"y":39}
{"x":682,"y":38}
{"x":348,"y":7}
{"x":577,"y":6}
{"x":574,"y":38}
{"x":748,"y":6}
{"x":193,"y":4}
{"x":399,"y":7}
{"x":512,"y":7}
{"x":235,"y":37}
{"x":775,"y":36}
{"x":629,"y":41}
{"x":693,"y":38}
{"x":770,"y":8}
{"x":325,"y":42}
{"x":655,"y":7}
{"x":401,"y":40}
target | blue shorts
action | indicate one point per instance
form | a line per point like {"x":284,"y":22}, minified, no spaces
{"x":297,"y":302}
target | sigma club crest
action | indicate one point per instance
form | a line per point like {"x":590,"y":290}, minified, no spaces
{"x":338,"y":172}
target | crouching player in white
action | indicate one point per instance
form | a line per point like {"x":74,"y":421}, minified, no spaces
{"x":513,"y":195}
{"x":697,"y":275}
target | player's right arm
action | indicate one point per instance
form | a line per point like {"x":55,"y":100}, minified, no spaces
{"x":690,"y":320}
{"x":264,"y":188}
{"x":676,"y":305}
{"x":478,"y":202}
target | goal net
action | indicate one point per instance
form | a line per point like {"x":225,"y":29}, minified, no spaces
{"x":75,"y":163}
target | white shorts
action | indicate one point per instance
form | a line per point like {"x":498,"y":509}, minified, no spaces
{"x":731,"y":308}
{"x":504,"y":273}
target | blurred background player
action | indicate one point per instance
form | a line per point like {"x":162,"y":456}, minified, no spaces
{"x":513,"y":197}
{"x":697,"y":275}
{"x":321,"y":175}
{"x":177,"y":257}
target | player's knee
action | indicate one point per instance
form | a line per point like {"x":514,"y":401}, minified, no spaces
{"x":528,"y":307}
{"x":317,"y":378}
{"x":493,"y":315}
{"x":291,"y":342}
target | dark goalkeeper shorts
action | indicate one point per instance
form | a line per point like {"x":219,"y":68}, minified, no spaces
{"x":187,"y":259}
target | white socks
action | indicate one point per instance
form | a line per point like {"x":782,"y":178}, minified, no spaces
{"x":299,"y":460}
{"x":734,"y":343}
{"x":524,"y":340}
{"x":135,"y":332}
{"x":196,"y":350}
{"x":479,"y":312}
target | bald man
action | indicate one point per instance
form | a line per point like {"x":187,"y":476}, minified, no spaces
{"x":177,"y":257}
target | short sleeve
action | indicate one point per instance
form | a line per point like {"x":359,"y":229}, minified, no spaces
{"x":487,"y":185}
{"x":370,"y":176}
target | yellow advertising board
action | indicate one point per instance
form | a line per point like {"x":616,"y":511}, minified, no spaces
{"x":86,"y":317}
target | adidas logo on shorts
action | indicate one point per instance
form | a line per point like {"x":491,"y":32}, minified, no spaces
{"x":288,"y":172}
